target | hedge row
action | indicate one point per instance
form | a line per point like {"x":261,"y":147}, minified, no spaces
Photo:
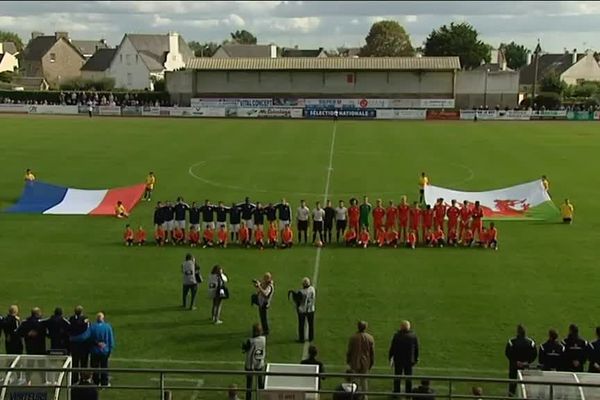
{"x":53,"y":96}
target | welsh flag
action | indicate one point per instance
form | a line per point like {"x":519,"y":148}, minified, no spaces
{"x":526,"y":201}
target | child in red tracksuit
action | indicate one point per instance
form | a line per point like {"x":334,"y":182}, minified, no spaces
{"x":222,"y":237}
{"x":128,"y":235}
{"x":194,"y":237}
{"x":208,"y":237}
{"x":140,"y":236}
{"x":159,"y":236}
{"x":259,"y":238}
{"x":272,"y":235}
{"x":411,"y":240}
{"x":364,"y":237}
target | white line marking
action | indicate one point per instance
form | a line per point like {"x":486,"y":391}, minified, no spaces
{"x":315,"y":276}
{"x":333,"y":366}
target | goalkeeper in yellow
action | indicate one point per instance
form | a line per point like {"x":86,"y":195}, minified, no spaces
{"x":150,"y":182}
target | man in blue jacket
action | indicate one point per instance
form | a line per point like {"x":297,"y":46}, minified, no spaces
{"x":102,"y":343}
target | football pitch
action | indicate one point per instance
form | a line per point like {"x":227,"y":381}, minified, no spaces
{"x":464,"y":303}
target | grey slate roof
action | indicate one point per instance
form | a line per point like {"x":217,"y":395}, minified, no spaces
{"x":333,"y":63}
{"x":88,"y":47}
{"x":246,"y":50}
{"x":559,"y":63}
{"x":100,"y":61}
{"x":154,"y":48}
{"x":38,"y":47}
{"x":9,"y":47}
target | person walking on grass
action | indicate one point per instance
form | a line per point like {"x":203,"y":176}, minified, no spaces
{"x":190,"y":283}
{"x":217,"y":292}
{"x":360,"y":356}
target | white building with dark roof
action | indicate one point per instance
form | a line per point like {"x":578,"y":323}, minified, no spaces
{"x":141,"y":59}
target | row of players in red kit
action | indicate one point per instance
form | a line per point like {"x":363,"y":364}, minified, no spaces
{"x":208,"y":237}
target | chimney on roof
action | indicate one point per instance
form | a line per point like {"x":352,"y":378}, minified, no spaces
{"x":574,"y":59}
{"x":273,"y":50}
{"x":529,"y":57}
{"x":36,"y":34}
{"x":174,"y":42}
{"x":59,"y":35}
{"x":103,"y":41}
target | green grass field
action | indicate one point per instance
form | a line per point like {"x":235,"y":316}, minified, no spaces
{"x":464,"y":304}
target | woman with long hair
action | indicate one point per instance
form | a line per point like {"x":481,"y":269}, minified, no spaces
{"x":217,"y":291}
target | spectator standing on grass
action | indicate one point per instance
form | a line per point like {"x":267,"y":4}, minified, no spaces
{"x":594,"y":353}
{"x":255,"y":349}
{"x":217,"y":292}
{"x":306,"y":311}
{"x":264,"y":290}
{"x":551,"y":353}
{"x":102,"y":344}
{"x":190,"y":284}
{"x":312,"y":360}
{"x":404,"y":355}
{"x":360,"y":356}
{"x":521,"y":352}
{"x":576,"y":350}
{"x":13,"y":344}
{"x":58,"y":331}
{"x":79,"y":334}
{"x":424,"y":391}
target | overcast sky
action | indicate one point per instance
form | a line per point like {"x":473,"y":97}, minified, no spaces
{"x":309,"y":24}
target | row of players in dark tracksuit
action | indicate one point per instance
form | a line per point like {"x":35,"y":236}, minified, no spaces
{"x":570,"y":354}
{"x":175,"y":215}
{"x":67,"y":336}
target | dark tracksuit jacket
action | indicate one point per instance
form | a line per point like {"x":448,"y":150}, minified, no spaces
{"x":550,"y":355}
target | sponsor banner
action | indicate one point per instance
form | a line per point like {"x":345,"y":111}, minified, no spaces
{"x":580,"y":115}
{"x":347,"y":103}
{"x":515,"y":115}
{"x":343,"y":113}
{"x":288,"y":102}
{"x":153,"y":111}
{"x":297,"y":112}
{"x":404,"y":103}
{"x":230,"y":102}
{"x":13,"y":108}
{"x":526,"y":201}
{"x":401,"y":114}
{"x":443,"y":115}
{"x":109,"y":110}
{"x":273,"y":112}
{"x":180,"y":111}
{"x":596,"y":115}
{"x":247,"y":112}
{"x":58,"y":110}
{"x":130,"y":111}
{"x":481,"y":114}
{"x":437,"y":103}
{"x":549,"y":114}
{"x":208,"y":112}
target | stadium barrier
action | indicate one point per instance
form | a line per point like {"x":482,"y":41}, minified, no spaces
{"x":13,"y":108}
{"x":442,"y":115}
{"x":163,"y":383}
{"x":497,"y":115}
{"x":580,"y":115}
{"x":549,"y":115}
{"x":401,"y":114}
{"x":53,"y":110}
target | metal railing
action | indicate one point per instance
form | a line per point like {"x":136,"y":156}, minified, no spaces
{"x":162,"y":377}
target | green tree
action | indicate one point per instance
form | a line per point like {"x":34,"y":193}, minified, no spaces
{"x":387,"y":39}
{"x":551,"y":83}
{"x":6,"y":36}
{"x":516,"y":55}
{"x":206,"y":49}
{"x":458,"y":40}
{"x":243,"y":37}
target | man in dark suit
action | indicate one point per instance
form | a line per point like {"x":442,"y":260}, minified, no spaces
{"x":521,"y":352}
{"x":404,"y":354}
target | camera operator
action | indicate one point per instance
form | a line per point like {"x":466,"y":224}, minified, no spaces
{"x":264,"y":293}
{"x":306,"y":310}
{"x":255,"y":349}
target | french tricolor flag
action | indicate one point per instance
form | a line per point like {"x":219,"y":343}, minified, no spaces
{"x":44,"y":198}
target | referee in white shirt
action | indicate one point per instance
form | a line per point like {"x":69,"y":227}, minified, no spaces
{"x":317,"y":216}
{"x":306,"y":311}
{"x":341,"y":220}
{"x":302,"y":217}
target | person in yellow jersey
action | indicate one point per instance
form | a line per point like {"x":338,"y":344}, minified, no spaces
{"x":546,"y":184}
{"x":120,"y":211}
{"x":423,"y":181}
{"x":150,"y":182}
{"x":566,"y":211}
{"x":29,"y":176}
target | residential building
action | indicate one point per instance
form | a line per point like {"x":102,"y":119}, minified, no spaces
{"x":98,"y":66}
{"x":8,"y":57}
{"x":88,"y":48}
{"x":247,"y":51}
{"x":52,"y":57}
{"x":295,"y":52}
{"x":572,"y":68}
{"x":141,"y":59}
{"x":30,"y":83}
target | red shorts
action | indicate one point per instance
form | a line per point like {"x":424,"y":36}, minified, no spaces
{"x":377,"y":225}
{"x":476,"y":225}
{"x":353,"y":224}
{"x":452,"y":224}
{"x":390,"y":223}
{"x":404,"y":224}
